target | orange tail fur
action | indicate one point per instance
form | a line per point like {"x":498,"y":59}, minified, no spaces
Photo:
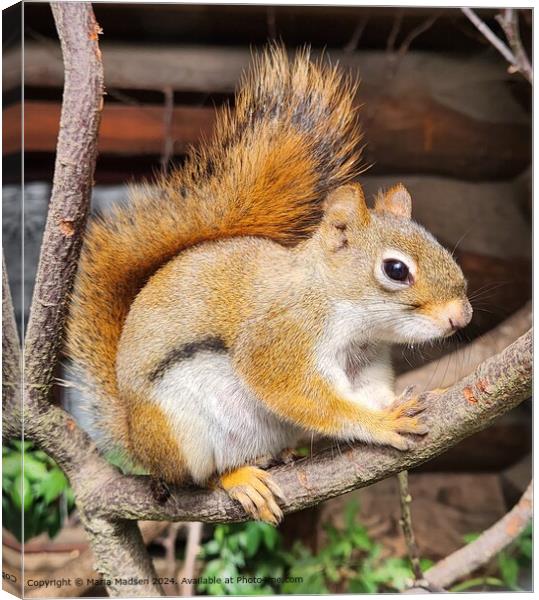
{"x":292,"y":137}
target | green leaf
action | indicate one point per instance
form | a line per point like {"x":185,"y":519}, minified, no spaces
{"x":220,"y":532}
{"x":361,"y":539}
{"x":22,"y":446}
{"x":34,"y":470}
{"x":21,"y":494}
{"x":363,"y":584}
{"x":476,"y":582}
{"x":350,"y":512}
{"x":253,"y":539}
{"x":210,"y":548}
{"x":54,"y":522}
{"x":508,"y":569}
{"x":16,"y":492}
{"x":27,"y":497}
{"x":53,"y":485}
{"x":7,"y":483}
{"x":526,"y":548}
{"x":12,"y":464}
{"x":42,"y":456}
{"x":270,"y":536}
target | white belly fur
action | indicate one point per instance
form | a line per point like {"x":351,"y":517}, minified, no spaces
{"x":219,"y":422}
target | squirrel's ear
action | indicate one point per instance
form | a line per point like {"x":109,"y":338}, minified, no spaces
{"x":344,"y":208}
{"x":396,"y":201}
{"x":346,"y":204}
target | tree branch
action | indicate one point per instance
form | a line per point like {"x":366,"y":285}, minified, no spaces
{"x":509,"y":21}
{"x":478,"y":553}
{"x":187,"y":572}
{"x":406,"y":524}
{"x":73,"y":177}
{"x":498,"y":385}
{"x":113,"y":543}
{"x":11,"y":364}
{"x":82,"y":568}
{"x":483,"y":28}
{"x":110,"y":502}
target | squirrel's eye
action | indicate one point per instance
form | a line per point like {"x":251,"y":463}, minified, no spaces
{"x":396,"y":270}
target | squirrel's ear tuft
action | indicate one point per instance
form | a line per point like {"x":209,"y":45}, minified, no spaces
{"x":344,"y":209}
{"x":396,"y":201}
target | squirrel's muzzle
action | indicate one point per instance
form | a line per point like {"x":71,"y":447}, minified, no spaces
{"x":456,"y":314}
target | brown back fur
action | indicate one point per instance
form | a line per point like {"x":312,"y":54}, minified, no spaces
{"x":292,"y":137}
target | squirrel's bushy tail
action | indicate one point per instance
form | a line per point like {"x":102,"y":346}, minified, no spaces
{"x":292,"y":136}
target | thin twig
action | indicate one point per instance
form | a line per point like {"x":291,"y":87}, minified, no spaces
{"x":169,"y":544}
{"x":515,"y":56}
{"x":471,"y":557}
{"x":489,"y":35}
{"x":406,"y":524}
{"x":352,"y":43}
{"x":416,"y":32}
{"x":395,"y":57}
{"x":508,"y":20}
{"x":393,"y":34}
{"x":187,"y":572}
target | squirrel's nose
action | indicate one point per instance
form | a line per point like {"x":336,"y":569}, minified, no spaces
{"x":459,"y":314}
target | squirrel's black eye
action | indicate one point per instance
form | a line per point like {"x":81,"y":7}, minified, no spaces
{"x":396,"y":270}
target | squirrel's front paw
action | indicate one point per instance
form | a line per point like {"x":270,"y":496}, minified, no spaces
{"x":402,"y":418}
{"x":256,"y":491}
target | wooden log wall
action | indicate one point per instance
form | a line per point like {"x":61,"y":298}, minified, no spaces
{"x":414,"y":120}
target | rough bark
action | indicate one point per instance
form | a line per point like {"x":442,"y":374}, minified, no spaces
{"x":407,"y":526}
{"x":122,"y":558}
{"x":73,"y":177}
{"x":11,"y":364}
{"x":82,"y":568}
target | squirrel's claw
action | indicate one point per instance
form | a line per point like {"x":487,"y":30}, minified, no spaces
{"x":288,"y":455}
{"x":403,"y":418}
{"x":256,"y":491}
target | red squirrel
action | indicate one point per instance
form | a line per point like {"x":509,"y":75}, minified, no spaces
{"x":251,"y":297}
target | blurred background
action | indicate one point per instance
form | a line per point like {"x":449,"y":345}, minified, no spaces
{"x":440,"y":112}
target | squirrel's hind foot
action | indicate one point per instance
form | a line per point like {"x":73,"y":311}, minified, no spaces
{"x":160,"y":490}
{"x":285,"y":457}
{"x":256,"y":491}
